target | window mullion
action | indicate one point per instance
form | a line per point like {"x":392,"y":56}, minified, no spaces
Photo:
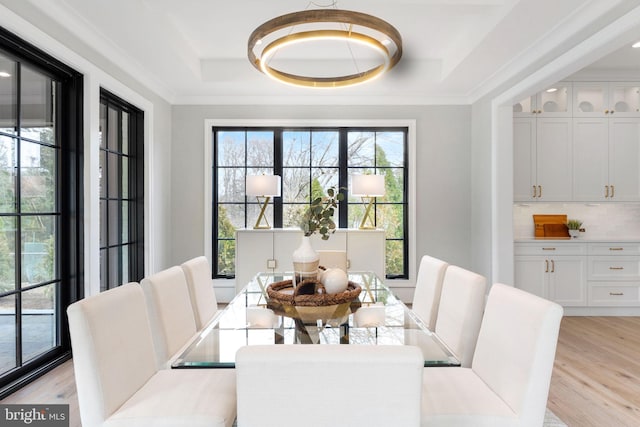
{"x":277,"y":170}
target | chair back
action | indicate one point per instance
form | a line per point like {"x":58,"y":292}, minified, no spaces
{"x":170,"y":312}
{"x":329,"y":385}
{"x":113,"y":353}
{"x":203,"y":298}
{"x":426,"y":298}
{"x":333,"y":259}
{"x":460,"y":311}
{"x":516,"y":349}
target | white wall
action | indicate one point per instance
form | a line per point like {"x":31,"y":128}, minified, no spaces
{"x":29,"y":23}
{"x":443,"y":159}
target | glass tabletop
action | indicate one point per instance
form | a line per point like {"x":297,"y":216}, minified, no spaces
{"x":374,"y":317}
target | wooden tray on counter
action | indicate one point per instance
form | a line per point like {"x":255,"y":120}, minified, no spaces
{"x":556,"y":225}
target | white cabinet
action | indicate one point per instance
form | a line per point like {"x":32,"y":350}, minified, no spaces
{"x":555,"y":101}
{"x":271,"y":250}
{"x":542,"y":159}
{"x":606,"y":159}
{"x":602,"y":274}
{"x":606,"y":99}
{"x":614,"y":274}
{"x":555,"y":274}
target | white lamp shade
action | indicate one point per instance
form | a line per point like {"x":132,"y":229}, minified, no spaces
{"x":367,"y":185}
{"x":263,"y":185}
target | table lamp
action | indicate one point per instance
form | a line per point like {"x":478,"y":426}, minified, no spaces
{"x":368,"y":187}
{"x":263,"y":187}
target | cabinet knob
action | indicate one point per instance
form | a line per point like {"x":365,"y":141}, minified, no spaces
{"x":606,"y":111}
{"x":612,"y":111}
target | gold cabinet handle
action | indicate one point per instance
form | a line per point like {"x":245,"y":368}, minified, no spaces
{"x":606,"y":111}
{"x":616,"y":268}
{"x":546,"y":265}
{"x":534,"y":192}
{"x":616,"y":293}
{"x":606,"y":191}
{"x":553,"y":266}
{"x":613,"y":191}
{"x":539,"y":190}
{"x":612,"y":111}
{"x":548,"y":249}
{"x":616,"y":249}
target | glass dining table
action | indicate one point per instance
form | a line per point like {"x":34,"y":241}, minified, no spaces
{"x":374,"y":317}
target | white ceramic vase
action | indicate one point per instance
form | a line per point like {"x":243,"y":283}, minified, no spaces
{"x":305,"y":262}
{"x":574,"y":233}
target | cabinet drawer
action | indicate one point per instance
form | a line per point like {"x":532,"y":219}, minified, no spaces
{"x":608,"y":294}
{"x":614,"y":268}
{"x":550,"y":249}
{"x":614,"y":248}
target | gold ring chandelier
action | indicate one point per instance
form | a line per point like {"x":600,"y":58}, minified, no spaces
{"x":354,"y":27}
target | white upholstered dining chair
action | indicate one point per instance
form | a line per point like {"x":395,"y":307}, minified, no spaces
{"x":117,"y":379}
{"x":508,"y":381}
{"x":173,"y":324}
{"x":203,"y":297}
{"x":426,"y":297}
{"x":460,"y":311}
{"x":328,"y":385}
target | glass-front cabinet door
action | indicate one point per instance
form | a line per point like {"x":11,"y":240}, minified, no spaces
{"x":554,"y":101}
{"x":606,"y":99}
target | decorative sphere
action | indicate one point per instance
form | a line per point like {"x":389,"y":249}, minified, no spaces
{"x":335,"y":280}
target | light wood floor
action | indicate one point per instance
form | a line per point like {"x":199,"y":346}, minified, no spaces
{"x":596,"y":377}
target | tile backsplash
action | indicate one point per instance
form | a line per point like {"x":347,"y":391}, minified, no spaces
{"x":600,"y":220}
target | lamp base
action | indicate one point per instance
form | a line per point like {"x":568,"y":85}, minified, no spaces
{"x":259,"y":223}
{"x":367,"y":222}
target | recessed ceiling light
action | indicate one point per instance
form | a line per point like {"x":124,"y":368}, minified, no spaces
{"x":4,"y":74}
{"x":552,"y":89}
{"x":636,"y":45}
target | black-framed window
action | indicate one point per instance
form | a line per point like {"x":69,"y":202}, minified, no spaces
{"x":309,"y":160}
{"x":121,"y":177}
{"x":40,"y":209}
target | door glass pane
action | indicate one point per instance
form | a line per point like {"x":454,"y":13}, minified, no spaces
{"x":230,"y":218}
{"x":7,"y":333}
{"x":8,"y":89}
{"x":125,"y":222}
{"x":113,"y":131}
{"x":114,"y":267}
{"x":231,"y":149}
{"x":113,"y":222}
{"x":395,"y":257}
{"x":124,"y":260}
{"x":296,"y":150}
{"x":38,"y":249}
{"x":230,"y":185}
{"x":295,"y":185}
{"x":7,"y":254}
{"x":113,"y":187}
{"x":125,"y":177}
{"x":324,"y":148}
{"x":260,"y":149}
{"x":390,"y":149}
{"x":37,"y":177}
{"x":125,"y":132}
{"x":7,"y":174}
{"x":37,"y":93}
{"x":39,"y":332}
{"x":226,"y":258}
{"x":361,"y":148}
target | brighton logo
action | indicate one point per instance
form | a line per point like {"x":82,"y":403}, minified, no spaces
{"x":34,"y":415}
